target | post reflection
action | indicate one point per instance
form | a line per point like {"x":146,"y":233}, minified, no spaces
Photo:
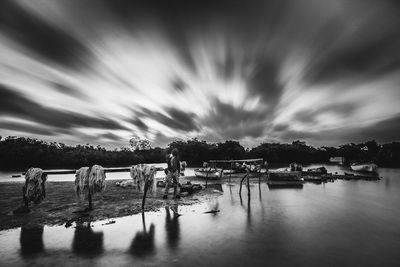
{"x":249,"y":219}
{"x":172,"y":227}
{"x":248,"y":211}
{"x":87,"y":243}
{"x":143,"y":242}
{"x":31,"y":240}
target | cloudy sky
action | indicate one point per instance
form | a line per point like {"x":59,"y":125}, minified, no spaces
{"x":100,"y":72}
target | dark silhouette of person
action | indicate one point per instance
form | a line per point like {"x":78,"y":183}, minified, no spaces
{"x":31,"y":240}
{"x":143,"y":242}
{"x":173,"y":173}
{"x":87,"y":243}
{"x":172,"y":226}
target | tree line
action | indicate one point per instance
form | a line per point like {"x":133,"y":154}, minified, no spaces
{"x":19,"y":153}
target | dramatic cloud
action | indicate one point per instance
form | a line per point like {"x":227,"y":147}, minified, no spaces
{"x":383,"y":131}
{"x":234,"y":123}
{"x":254,"y":71}
{"x":175,"y":119}
{"x":16,"y":105}
{"x":309,"y":116}
{"x":40,"y":37}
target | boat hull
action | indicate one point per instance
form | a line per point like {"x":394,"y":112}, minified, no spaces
{"x":364,"y":167}
{"x":211,"y":174}
{"x":285,"y":175}
{"x":284,"y":184}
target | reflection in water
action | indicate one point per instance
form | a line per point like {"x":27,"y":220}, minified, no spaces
{"x":143,"y":242}
{"x":315,"y":226}
{"x":172,"y":226}
{"x":214,"y":207}
{"x":87,"y":243}
{"x":248,"y":213}
{"x":248,"y":210}
{"x":31,"y":240}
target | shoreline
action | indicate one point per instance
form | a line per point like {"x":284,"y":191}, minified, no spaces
{"x":61,"y":205}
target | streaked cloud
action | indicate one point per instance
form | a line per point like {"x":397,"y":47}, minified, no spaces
{"x":254,"y":71}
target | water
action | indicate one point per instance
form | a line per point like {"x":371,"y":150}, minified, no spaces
{"x":345,"y":223}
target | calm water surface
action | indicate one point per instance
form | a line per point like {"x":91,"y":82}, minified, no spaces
{"x":345,"y":223}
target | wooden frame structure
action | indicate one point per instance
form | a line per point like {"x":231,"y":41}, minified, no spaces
{"x":260,"y":161}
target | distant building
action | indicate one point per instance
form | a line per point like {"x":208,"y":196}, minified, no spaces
{"x":337,"y":160}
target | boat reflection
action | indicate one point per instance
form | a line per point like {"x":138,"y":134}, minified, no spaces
{"x":143,"y":242}
{"x":172,"y":226}
{"x":87,"y":243}
{"x":31,"y":240}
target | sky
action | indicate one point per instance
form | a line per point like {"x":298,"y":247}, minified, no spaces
{"x":100,"y":72}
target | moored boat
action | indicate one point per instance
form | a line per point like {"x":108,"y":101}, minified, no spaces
{"x":226,"y":172}
{"x":315,"y":171}
{"x":284,"y":184}
{"x":285,"y":179}
{"x":284,"y":175}
{"x":207,"y":173}
{"x":364,"y":167}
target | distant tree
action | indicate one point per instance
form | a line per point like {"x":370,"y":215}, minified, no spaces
{"x":231,"y":150}
{"x":137,"y":143}
{"x":19,"y":153}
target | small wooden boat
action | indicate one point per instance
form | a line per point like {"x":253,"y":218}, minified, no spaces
{"x":316,"y":171}
{"x":295,"y":167}
{"x":16,"y":175}
{"x":284,"y":175}
{"x":285,"y":179}
{"x":313,"y":179}
{"x":364,"y":167}
{"x":227,"y":172}
{"x":284,"y":184}
{"x":207,"y":173}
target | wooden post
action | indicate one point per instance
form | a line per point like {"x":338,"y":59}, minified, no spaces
{"x":144,"y":222}
{"x":146,"y":187}
{"x":241,"y":181}
{"x":248,"y":184}
{"x":230,"y":174}
{"x":207,"y":176}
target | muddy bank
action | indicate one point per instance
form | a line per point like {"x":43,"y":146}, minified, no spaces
{"x":61,"y":205}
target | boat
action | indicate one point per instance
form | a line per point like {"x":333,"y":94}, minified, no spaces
{"x":364,"y":167}
{"x":295,"y":167}
{"x":207,"y":173}
{"x":16,"y":175}
{"x":284,"y":184}
{"x":313,"y":179}
{"x":315,"y":171}
{"x":226,"y":172}
{"x":285,"y":175}
{"x":285,"y":179}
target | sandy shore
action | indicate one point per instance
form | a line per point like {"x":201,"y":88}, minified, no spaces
{"x":61,"y":206}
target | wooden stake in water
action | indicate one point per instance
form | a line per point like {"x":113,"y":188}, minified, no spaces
{"x":146,"y":187}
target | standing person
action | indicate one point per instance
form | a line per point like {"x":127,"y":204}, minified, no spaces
{"x":173,"y":172}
